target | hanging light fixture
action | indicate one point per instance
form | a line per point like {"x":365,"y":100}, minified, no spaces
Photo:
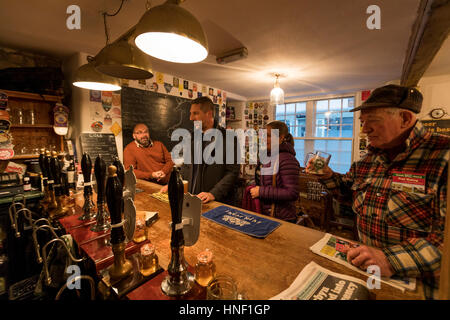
{"x":277,"y":94}
{"x":171,"y":33}
{"x":89,"y":78}
{"x":123,"y":60}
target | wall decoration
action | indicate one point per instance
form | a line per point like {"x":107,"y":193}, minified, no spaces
{"x":116,"y":113}
{"x":214,"y":99}
{"x":219,"y":93}
{"x":211,"y":91}
{"x":190,"y":94}
{"x":154,"y":87}
{"x":194,"y":87}
{"x":168,"y":87}
{"x":186,"y":84}
{"x":199,"y":94}
{"x":107,"y":120}
{"x":95,"y":95}
{"x":159,"y":78}
{"x":115,"y":128}
{"x":115,"y":99}
{"x":125,"y":82}
{"x":176,"y":82}
{"x":437,"y":126}
{"x":142,"y":81}
{"x":106,"y":100}
{"x":97,"y":126}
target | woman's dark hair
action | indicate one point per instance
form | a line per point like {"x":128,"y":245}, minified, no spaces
{"x":283,"y":131}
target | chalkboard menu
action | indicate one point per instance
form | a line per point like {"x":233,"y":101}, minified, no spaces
{"x":162,"y":113}
{"x":103,"y":144}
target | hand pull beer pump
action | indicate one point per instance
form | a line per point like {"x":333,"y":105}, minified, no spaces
{"x":89,"y":206}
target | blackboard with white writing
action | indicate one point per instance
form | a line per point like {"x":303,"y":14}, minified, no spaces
{"x":103,"y":144}
{"x":161,"y":113}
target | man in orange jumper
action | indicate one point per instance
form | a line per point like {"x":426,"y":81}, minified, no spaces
{"x":150,"y":159}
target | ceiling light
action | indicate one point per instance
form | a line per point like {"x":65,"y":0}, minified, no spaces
{"x":171,"y":33}
{"x":123,"y":60}
{"x":89,"y":78}
{"x":277,"y":94}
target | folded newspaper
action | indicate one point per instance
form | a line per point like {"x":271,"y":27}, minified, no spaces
{"x":317,"y":283}
{"x":332,"y":247}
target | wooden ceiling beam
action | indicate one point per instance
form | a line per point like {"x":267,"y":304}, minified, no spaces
{"x":430,"y":30}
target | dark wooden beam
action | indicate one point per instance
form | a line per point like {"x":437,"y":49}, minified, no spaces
{"x":429,"y":31}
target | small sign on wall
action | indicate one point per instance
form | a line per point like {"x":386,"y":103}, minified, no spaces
{"x":438,"y":126}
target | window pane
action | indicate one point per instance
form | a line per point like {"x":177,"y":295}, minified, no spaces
{"x":290,"y":108}
{"x":321,"y":105}
{"x":321,"y":119}
{"x":348,"y":103}
{"x":347,"y":118}
{"x":341,"y":153}
{"x":301,"y":120}
{"x":347,"y":131}
{"x":279,"y":114}
{"x":301,"y":131}
{"x":334,"y":118}
{"x":335,"y":105}
{"x":334,"y":131}
{"x":290,"y":120}
{"x":301,"y":107}
{"x":293,"y":130}
{"x":321,"y":132}
{"x":300,"y":151}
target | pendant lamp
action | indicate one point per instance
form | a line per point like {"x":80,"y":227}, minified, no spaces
{"x":87,"y":77}
{"x":169,"y":32}
{"x":277,"y":94}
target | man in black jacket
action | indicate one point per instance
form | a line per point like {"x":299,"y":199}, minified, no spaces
{"x":216,"y":180}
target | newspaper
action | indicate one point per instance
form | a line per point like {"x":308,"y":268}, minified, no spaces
{"x":317,"y":283}
{"x":331,"y":247}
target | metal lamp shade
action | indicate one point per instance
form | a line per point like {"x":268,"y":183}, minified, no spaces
{"x":123,"y":60}
{"x":89,"y":78}
{"x":171,"y":33}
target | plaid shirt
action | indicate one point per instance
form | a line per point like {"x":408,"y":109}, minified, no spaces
{"x":407,"y":226}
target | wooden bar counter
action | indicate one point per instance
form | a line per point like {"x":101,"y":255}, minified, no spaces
{"x":262,"y":268}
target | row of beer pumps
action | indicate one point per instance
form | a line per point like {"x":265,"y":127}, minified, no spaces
{"x":115,"y":210}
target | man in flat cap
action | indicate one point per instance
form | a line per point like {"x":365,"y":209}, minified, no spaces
{"x":398,"y":189}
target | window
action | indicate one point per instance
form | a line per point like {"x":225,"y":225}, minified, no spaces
{"x":325,"y":125}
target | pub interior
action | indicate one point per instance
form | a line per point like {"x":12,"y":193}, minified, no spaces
{"x":106,"y":195}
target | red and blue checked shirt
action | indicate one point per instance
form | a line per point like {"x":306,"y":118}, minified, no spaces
{"x":407,"y":226}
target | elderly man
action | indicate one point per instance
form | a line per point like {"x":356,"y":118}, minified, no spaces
{"x":150,"y":159}
{"x":398,"y":189}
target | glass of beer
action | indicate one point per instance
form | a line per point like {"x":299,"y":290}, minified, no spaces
{"x":222,"y":288}
{"x":186,"y":186}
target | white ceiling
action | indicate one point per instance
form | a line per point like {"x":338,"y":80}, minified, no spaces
{"x":321,"y":46}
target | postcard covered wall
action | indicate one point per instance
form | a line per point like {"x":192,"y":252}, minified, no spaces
{"x":332,"y":247}
{"x":317,"y":283}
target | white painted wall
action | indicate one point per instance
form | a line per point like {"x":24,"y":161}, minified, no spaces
{"x":436,"y":94}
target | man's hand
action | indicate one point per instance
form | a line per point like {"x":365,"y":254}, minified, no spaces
{"x":164,"y":189}
{"x":206,"y":197}
{"x":158,"y":175}
{"x":327,"y":172}
{"x":364,"y":256}
{"x":254,"y":192}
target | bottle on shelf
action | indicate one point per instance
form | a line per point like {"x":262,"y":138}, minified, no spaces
{"x":26,"y":183}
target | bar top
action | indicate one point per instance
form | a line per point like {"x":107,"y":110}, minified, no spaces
{"x":262,"y":268}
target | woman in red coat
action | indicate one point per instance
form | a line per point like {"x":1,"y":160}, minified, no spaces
{"x":284,"y":193}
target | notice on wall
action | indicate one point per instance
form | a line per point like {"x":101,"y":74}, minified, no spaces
{"x":438,"y":126}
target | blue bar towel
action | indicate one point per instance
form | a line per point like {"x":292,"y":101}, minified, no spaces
{"x":244,"y":222}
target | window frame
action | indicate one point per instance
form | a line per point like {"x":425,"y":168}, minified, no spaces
{"x":311,"y":112}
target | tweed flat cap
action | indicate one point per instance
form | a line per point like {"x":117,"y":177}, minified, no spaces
{"x":393,"y":95}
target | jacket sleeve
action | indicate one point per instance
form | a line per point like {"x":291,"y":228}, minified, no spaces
{"x":339,"y":185}
{"x":129,"y":158}
{"x":289,"y":189}
{"x":168,"y":160}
